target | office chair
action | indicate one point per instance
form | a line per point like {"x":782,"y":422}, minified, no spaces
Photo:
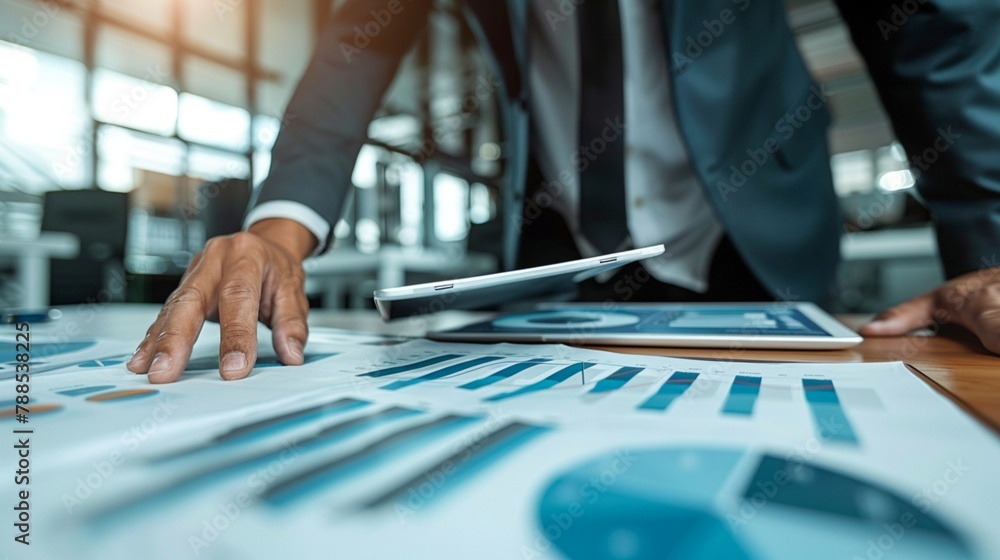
{"x":100,"y":220}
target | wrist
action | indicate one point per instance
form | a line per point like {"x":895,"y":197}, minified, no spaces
{"x":288,"y":234}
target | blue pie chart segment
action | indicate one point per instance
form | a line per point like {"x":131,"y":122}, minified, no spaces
{"x":704,"y":504}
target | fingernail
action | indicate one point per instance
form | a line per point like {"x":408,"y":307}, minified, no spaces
{"x":295,"y":347}
{"x":133,"y":362}
{"x":159,"y":367}
{"x":233,"y":363}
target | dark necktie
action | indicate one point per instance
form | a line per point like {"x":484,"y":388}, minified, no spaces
{"x":602,"y":144}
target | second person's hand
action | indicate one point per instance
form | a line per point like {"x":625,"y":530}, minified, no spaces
{"x":238,"y":280}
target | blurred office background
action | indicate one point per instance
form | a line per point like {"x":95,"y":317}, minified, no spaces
{"x":133,"y":130}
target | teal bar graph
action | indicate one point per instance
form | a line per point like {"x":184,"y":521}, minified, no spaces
{"x":388,"y":449}
{"x":616,"y":380}
{"x":411,"y":367}
{"x":209,"y":475}
{"x":545,"y":384}
{"x":742,"y":395}
{"x":464,"y":464}
{"x":671,"y":389}
{"x":440,"y":373}
{"x":831,"y":421}
{"x":503,"y":374}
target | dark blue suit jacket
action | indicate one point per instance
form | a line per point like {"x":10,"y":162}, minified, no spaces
{"x":753,"y":120}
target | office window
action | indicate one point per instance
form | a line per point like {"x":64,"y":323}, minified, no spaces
{"x":365,"y":175}
{"x":154,"y":15}
{"x":52,"y":27}
{"x":137,"y":56}
{"x":265,"y":131}
{"x":853,"y":172}
{"x":135,"y":103}
{"x":124,"y":156}
{"x":285,"y":44}
{"x":481,"y":208}
{"x":218,"y":26}
{"x":216,"y":82}
{"x":395,"y":129}
{"x":261,"y":166}
{"x":411,"y":203}
{"x":451,"y":201}
{"x":43,"y":120}
{"x":214,"y":165}
{"x":210,"y":122}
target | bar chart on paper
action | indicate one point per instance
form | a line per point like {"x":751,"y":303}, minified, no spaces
{"x":574,"y":384}
{"x":338,"y":452}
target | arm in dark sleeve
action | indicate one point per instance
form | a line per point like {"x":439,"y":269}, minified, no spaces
{"x":936,"y":64}
{"x":326,"y":121}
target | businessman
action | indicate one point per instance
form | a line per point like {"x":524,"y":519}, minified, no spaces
{"x":630,"y":123}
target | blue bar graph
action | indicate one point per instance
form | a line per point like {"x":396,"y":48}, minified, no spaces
{"x":742,"y":395}
{"x":616,"y":380}
{"x":545,"y":384}
{"x":831,"y":422}
{"x":262,"y":429}
{"x":383,"y":451}
{"x":211,"y":474}
{"x":464,"y":464}
{"x":439,"y":373}
{"x":503,"y":374}
{"x":411,"y":367}
{"x":671,"y":389}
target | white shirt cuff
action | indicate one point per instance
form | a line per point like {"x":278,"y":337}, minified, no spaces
{"x":291,"y":210}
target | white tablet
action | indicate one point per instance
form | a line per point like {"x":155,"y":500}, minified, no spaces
{"x":714,"y":325}
{"x":503,"y":287}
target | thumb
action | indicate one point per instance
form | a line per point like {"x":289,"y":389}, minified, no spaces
{"x":905,"y":317}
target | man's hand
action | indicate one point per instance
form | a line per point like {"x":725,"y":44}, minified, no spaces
{"x":971,"y":300}
{"x":237,"y":280}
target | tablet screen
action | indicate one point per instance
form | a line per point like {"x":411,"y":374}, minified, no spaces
{"x":765,"y":319}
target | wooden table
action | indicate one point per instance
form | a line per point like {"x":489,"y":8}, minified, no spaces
{"x":954,"y":361}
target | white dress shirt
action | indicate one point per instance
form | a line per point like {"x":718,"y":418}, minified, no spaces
{"x":665,"y":203}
